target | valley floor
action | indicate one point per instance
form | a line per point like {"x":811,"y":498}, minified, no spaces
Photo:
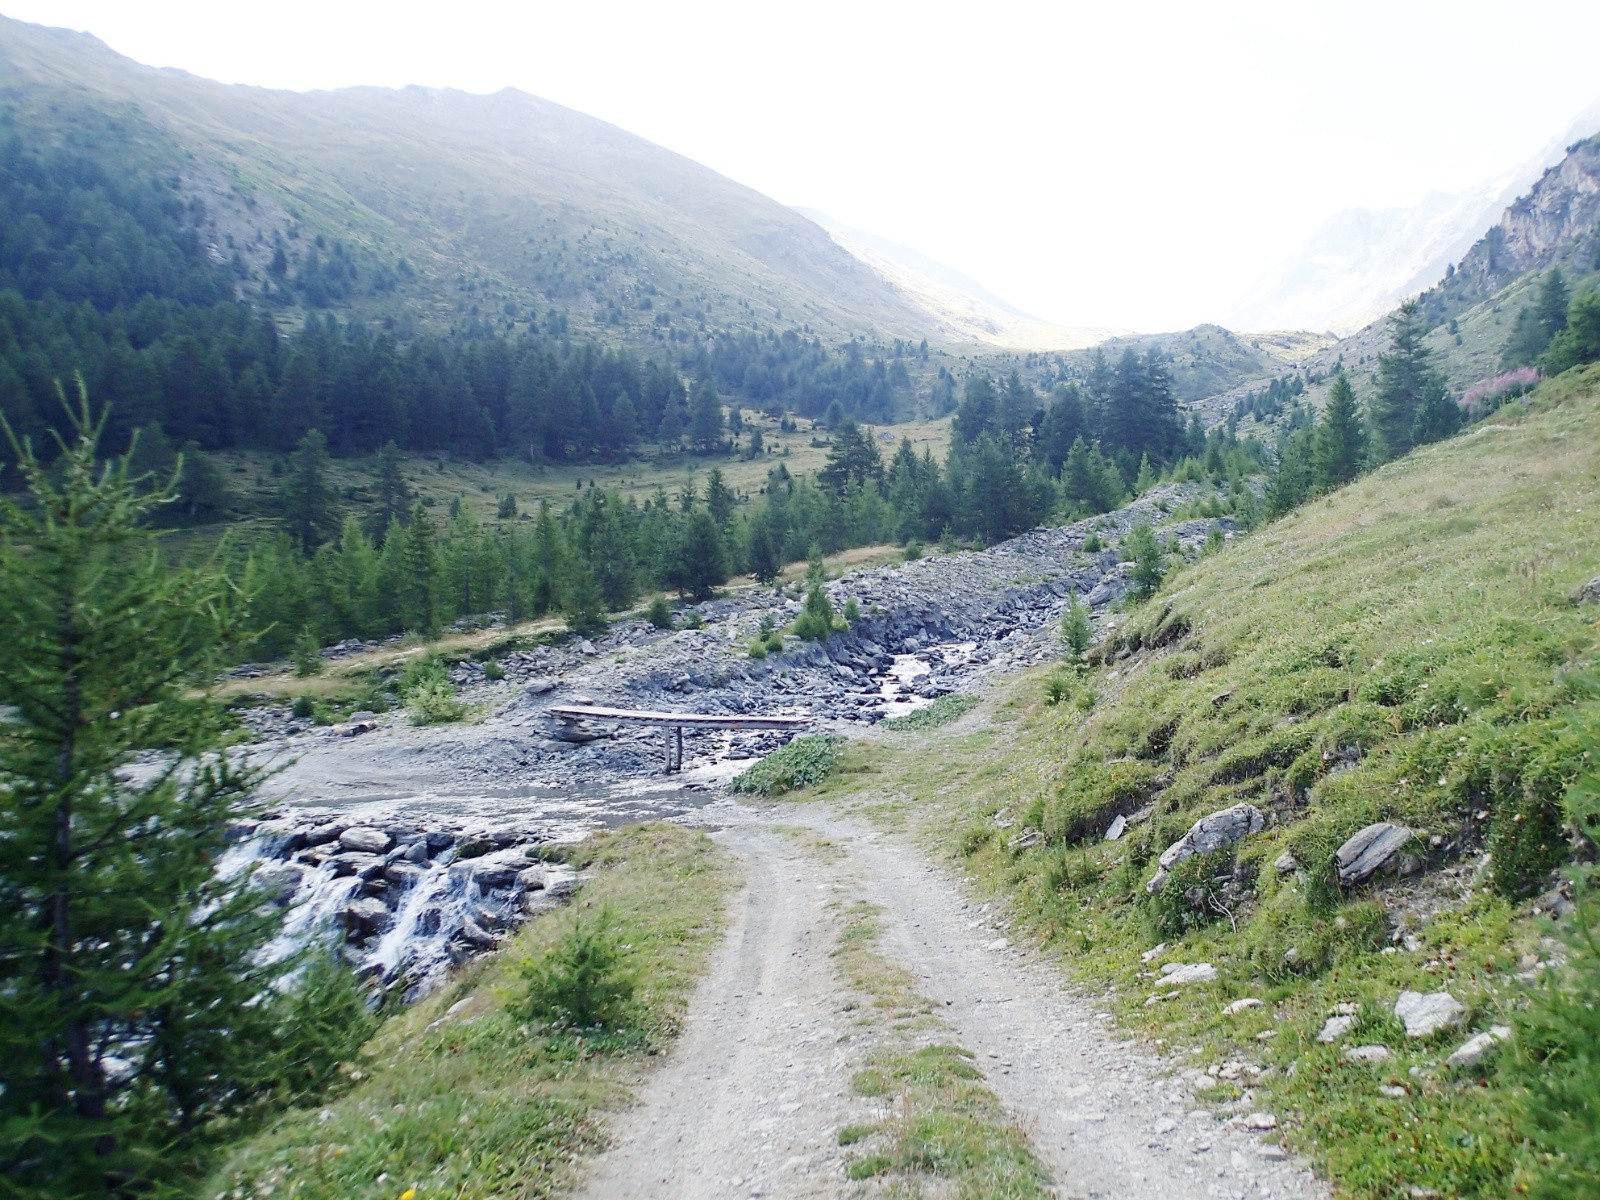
{"x":768,"y":1073}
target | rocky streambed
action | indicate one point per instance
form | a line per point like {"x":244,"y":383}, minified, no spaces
{"x":456,"y":808}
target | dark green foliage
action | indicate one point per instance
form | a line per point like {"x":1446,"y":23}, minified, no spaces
{"x":493,"y":671}
{"x":1558,"y":1041}
{"x":1339,"y":446}
{"x":816,"y":620}
{"x":705,"y":416}
{"x":659,"y":613}
{"x":1579,"y":343}
{"x":702,"y":564}
{"x":804,"y":762}
{"x":307,"y":502}
{"x":1406,"y":381}
{"x":581,"y":983}
{"x":1539,"y":323}
{"x":941,"y":712}
{"x":135,"y":1011}
{"x":853,"y":460}
{"x":1149,"y":561}
{"x":1076,"y":632}
{"x":307,"y":654}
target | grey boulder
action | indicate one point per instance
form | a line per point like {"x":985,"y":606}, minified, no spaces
{"x":1207,"y":835}
{"x":365,"y":840}
{"x":1371,"y":850}
{"x":1425,"y":1015}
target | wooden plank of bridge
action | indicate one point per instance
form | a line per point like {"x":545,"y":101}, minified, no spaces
{"x":581,"y":712}
{"x":674,"y":723}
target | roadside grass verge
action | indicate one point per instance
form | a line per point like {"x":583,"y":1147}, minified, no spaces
{"x":455,"y":1097}
{"x":1407,"y":650}
{"x":943,"y":1132}
{"x":804,"y":762}
{"x":941,"y":712}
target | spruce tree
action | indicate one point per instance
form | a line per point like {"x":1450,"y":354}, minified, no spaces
{"x":1405,"y":377}
{"x":703,"y":561}
{"x":307,"y":496}
{"x":705,"y":416}
{"x":1438,"y":417}
{"x":135,"y":1008}
{"x":1339,"y":447}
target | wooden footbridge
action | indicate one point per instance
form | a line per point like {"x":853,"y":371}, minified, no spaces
{"x":672,"y":723}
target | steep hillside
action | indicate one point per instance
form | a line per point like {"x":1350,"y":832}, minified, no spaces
{"x":1557,"y":223}
{"x":503,"y":209}
{"x":1411,"y":650}
{"x":1362,"y":260}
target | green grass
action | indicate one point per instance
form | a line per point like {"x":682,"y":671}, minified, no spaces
{"x":475,"y":1103}
{"x":801,"y":763}
{"x":1406,"y":649}
{"x":941,"y":712}
{"x":943,"y":1133}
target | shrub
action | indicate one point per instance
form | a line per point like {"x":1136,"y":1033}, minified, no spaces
{"x":307,"y":654}
{"x":434,"y":703}
{"x":912,"y":551}
{"x":941,"y":712}
{"x":659,"y":613}
{"x":303,"y":707}
{"x":852,"y":611}
{"x":774,"y":643}
{"x":493,"y":671}
{"x":1059,"y":685}
{"x":816,"y":620}
{"x":1149,"y":561}
{"x":758,"y":649}
{"x":804,"y":762}
{"x":1092,"y":544}
{"x":420,"y":671}
{"x":581,"y":982}
{"x":1075,"y":629}
{"x":1556,"y":1040}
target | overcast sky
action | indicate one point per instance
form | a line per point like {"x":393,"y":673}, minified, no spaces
{"x":1126,"y":164}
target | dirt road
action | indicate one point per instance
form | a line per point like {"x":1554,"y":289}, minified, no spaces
{"x":751,"y":1102}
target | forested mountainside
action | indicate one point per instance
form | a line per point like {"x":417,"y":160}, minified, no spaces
{"x":506,"y":210}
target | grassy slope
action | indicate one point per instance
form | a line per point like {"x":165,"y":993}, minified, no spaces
{"x":1416,"y":631}
{"x":464,"y":1102}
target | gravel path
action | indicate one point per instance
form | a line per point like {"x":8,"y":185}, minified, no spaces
{"x":753,"y":1097}
{"x":751,"y":1102}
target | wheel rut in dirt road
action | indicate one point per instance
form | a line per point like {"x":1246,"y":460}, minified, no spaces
{"x":755,"y":1093}
{"x":751,"y":1101}
{"x":1108,"y":1117}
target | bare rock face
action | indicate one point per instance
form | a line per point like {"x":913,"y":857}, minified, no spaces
{"x":1425,"y":1015}
{"x":1208,"y":834}
{"x":1373,"y":849}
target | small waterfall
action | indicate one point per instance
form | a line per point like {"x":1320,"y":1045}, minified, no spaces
{"x":434,"y":908}
{"x":402,"y":915}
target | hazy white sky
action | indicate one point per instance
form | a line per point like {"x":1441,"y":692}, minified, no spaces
{"x":1130,"y":164}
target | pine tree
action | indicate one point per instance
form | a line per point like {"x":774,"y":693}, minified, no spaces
{"x":702,"y":557}
{"x":307,"y":496}
{"x":764,"y":564}
{"x":1405,"y":377}
{"x":417,"y":584}
{"x":135,"y":1007}
{"x":1551,"y":306}
{"x":1292,"y":480}
{"x":1339,"y":448}
{"x":1438,"y":417}
{"x":705,"y":416}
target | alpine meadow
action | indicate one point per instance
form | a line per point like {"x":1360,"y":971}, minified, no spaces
{"x":534,"y":669}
